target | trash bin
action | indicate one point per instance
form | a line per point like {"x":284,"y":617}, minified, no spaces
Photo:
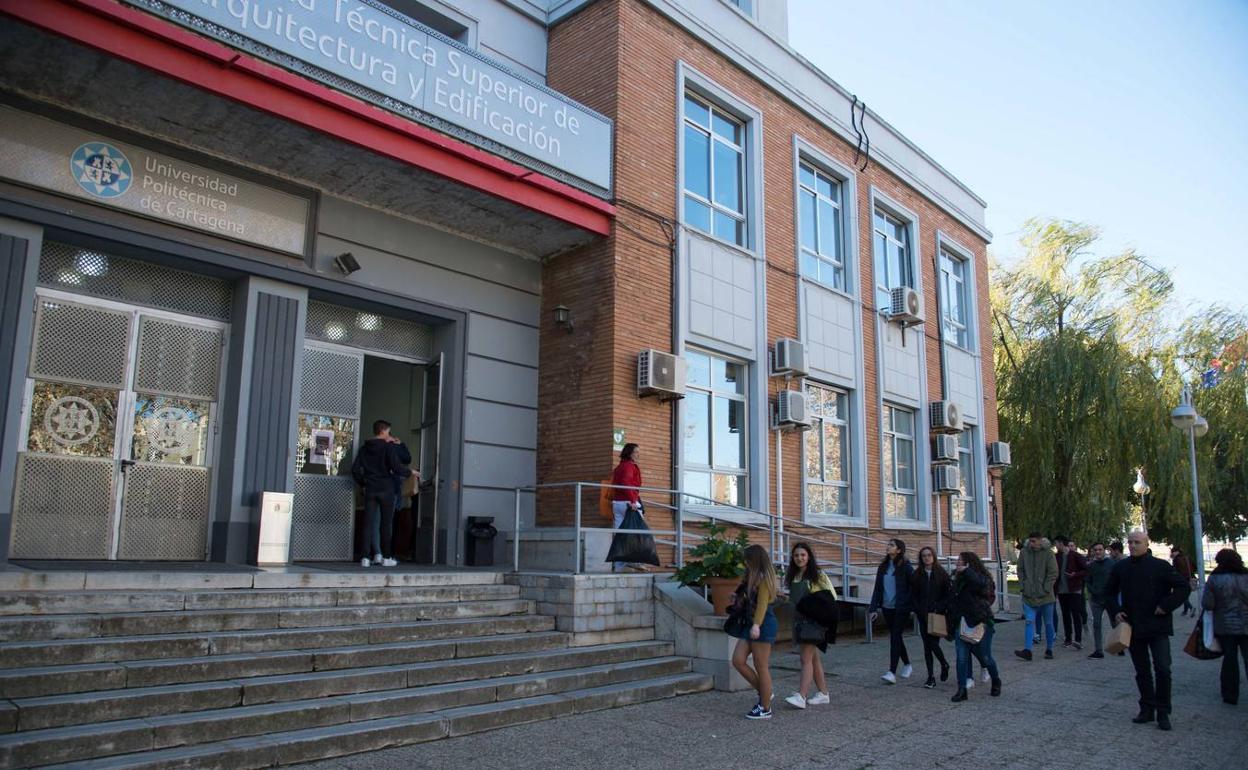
{"x":275,"y":512}
{"x":480,"y":546}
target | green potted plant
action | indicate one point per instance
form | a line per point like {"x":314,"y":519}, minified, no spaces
{"x":718,"y":563}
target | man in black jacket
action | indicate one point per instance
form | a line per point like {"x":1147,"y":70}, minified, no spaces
{"x":1150,"y":590}
{"x":378,"y":468}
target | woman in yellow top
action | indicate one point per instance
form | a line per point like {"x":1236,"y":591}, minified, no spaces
{"x":802,"y":578}
{"x":761,"y":589}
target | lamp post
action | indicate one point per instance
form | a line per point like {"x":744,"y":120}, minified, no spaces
{"x":1142,"y":489}
{"x":1185,"y":418}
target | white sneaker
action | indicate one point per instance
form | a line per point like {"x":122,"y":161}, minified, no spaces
{"x":377,"y":559}
{"x":818,"y":699}
{"x":970,"y":683}
{"x":796,"y":701}
{"x":365,"y":562}
{"x":986,"y":677}
{"x":906,"y":671}
{"x":388,"y":562}
{"x":889,"y":677}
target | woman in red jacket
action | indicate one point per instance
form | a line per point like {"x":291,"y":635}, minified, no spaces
{"x":627,"y":474}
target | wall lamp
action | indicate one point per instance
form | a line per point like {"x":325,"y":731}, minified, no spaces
{"x":346,"y":263}
{"x":563,"y":317}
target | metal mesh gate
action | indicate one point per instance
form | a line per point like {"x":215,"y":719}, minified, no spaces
{"x":79,"y":343}
{"x":330,"y":383}
{"x":178,"y":359}
{"x":63,"y":507}
{"x":165,"y":515}
{"x":322,"y":525}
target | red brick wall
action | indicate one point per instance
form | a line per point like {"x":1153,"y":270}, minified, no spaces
{"x":620,"y":57}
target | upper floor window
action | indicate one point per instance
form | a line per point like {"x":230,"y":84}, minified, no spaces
{"x":900,"y":494}
{"x":747,"y":6}
{"x":714,"y":171}
{"x":827,"y":452}
{"x":716,"y":451}
{"x":964,"y":510}
{"x":820,"y":221}
{"x":954,"y":308}
{"x":893,"y":254}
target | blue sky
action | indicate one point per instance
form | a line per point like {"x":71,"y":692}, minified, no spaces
{"x":1129,"y":115}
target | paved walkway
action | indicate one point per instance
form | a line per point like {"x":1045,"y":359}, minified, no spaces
{"x":1067,"y":712}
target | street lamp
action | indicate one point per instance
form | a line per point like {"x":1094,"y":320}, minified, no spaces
{"x":1186,"y":419}
{"x":1141,"y":488}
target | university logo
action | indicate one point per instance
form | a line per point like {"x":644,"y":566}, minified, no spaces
{"x":101,"y":169}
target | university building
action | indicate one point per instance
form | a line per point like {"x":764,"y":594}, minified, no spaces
{"x":236,"y":233}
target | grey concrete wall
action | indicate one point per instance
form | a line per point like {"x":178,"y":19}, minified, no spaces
{"x":19,"y":263}
{"x":497,"y":387}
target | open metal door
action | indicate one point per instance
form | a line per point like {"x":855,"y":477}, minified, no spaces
{"x":427,"y":550}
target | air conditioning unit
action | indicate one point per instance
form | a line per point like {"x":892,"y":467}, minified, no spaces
{"x":661,"y":374}
{"x":944,"y":449}
{"x":946,"y":480}
{"x":998,"y":454}
{"x":790,"y":359}
{"x":906,"y":306}
{"x":791,"y":409}
{"x":946,"y":417}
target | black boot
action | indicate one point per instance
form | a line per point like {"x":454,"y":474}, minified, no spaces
{"x":959,"y":696}
{"x":996,"y":688}
{"x":1145,"y":715}
{"x":1163,"y":721}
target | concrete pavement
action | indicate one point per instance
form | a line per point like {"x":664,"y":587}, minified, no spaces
{"x":1071,"y":706}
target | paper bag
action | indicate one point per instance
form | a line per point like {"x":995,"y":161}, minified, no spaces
{"x":1119,"y":638}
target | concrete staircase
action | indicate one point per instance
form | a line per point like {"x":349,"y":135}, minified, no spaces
{"x":327,"y":665}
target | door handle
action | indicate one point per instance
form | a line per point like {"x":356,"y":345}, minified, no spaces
{"x":127,"y":463}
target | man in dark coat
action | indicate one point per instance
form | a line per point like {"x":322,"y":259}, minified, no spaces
{"x":1150,"y":590}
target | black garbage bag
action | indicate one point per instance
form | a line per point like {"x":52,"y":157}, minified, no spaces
{"x":631,"y":547}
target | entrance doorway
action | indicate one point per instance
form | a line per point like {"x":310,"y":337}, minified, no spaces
{"x":117,"y":440}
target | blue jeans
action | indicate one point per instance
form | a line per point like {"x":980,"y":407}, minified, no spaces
{"x":378,"y":523}
{"x":1047,"y":616}
{"x":982,"y":652}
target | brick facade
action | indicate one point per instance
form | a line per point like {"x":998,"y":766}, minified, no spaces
{"x":621,"y":58}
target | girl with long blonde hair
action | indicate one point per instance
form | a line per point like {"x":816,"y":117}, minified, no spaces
{"x":755,"y":596}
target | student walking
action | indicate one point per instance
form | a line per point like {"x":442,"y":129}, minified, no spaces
{"x":376,"y":468}
{"x":755,"y":595}
{"x":930,"y":591}
{"x":1071,"y":570}
{"x":802,"y":579}
{"x":971,"y":606}
{"x":1150,"y":590}
{"x":1037,"y":574}
{"x":625,"y":480}
{"x":892,"y":597}
{"x":1098,"y":578}
{"x":1226,"y":593}
{"x":1183,"y":566}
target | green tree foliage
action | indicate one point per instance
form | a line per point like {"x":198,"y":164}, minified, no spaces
{"x":1089,"y":363}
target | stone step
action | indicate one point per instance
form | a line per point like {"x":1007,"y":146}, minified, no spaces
{"x":107,"y":705}
{"x":336,"y":740}
{"x":49,"y":606}
{"x":59,"y":680}
{"x":186,"y":634}
{"x":186,"y":580}
{"x":65,"y":744}
{"x":155,"y":673}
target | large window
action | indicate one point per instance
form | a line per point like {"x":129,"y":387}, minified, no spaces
{"x":964,"y":509}
{"x":820,"y":219}
{"x":827,"y":452}
{"x":899,"y":464}
{"x":954,"y":308}
{"x":714,"y":171}
{"x":893,"y":254}
{"x":716,"y":440}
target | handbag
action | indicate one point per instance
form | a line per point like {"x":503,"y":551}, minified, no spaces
{"x":810,"y":632}
{"x":740,"y":615}
{"x":936,"y":625}
{"x":1196,"y":643}
{"x":1211,"y":641}
{"x":971,"y":634}
{"x":1119,"y":638}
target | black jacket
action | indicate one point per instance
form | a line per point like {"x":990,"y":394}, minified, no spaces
{"x":376,"y":466}
{"x":821,"y":607}
{"x":903,"y":574}
{"x":930,"y":594}
{"x":1146,"y":584}
{"x":973,"y":595}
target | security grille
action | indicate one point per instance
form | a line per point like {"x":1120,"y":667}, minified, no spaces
{"x":86,"y":271}
{"x":63,"y":507}
{"x":330,"y":383}
{"x":165,"y":515}
{"x":323,"y":518}
{"x":178,"y":359}
{"x":77,"y":343}
{"x":358,"y":329}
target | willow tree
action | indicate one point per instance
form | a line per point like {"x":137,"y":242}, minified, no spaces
{"x":1077,"y":396}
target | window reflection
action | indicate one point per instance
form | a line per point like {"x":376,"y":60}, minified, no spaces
{"x":326,"y":445}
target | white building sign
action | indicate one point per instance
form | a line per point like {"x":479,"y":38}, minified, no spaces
{"x":369,"y":44}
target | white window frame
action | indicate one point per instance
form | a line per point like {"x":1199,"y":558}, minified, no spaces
{"x":847,"y":450}
{"x":748,"y":12}
{"x":910,"y":221}
{"x":742,"y":472}
{"x":946,"y":246}
{"x":837,"y":261}
{"x":957,"y":331}
{"x":976,"y":484}
{"x":714,"y":139}
{"x":890,"y":478}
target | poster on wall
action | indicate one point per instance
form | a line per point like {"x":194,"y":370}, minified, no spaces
{"x":321,"y":451}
